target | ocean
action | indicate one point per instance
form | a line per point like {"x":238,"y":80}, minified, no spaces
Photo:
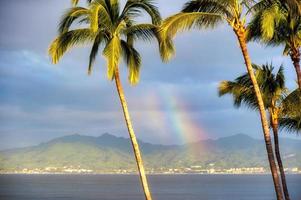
{"x":127,"y":187}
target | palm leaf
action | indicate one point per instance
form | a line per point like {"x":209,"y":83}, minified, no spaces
{"x":75,"y":2}
{"x":98,"y":39}
{"x":221,"y":7}
{"x":68,"y":40}
{"x":270,"y":19}
{"x":94,"y":9}
{"x":112,"y":53}
{"x":167,"y":48}
{"x":70,"y":16}
{"x":184,"y":21}
{"x":291,"y":124}
{"x":135,"y":7}
{"x":133,"y":60}
{"x":144,"y":32}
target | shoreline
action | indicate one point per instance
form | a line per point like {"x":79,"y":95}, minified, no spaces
{"x":149,"y":174}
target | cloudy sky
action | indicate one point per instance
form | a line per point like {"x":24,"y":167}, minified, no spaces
{"x":174,"y":103}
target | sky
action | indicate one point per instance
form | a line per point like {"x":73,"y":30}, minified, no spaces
{"x":174,"y":103}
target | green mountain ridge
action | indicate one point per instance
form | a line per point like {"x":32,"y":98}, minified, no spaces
{"x":108,"y":153}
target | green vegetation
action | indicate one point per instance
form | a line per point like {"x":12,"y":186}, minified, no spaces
{"x":108,"y":153}
{"x":274,"y":24}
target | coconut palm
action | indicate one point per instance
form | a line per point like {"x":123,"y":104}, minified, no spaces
{"x":209,"y":13}
{"x":276,"y":103}
{"x":275,"y":24}
{"x":103,"y":24}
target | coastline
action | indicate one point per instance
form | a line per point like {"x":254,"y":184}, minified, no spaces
{"x":149,"y":174}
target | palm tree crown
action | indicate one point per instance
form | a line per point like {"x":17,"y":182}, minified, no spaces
{"x":282,"y":106}
{"x":271,"y":85}
{"x":275,"y":24}
{"x":108,"y":26}
{"x":202,"y":14}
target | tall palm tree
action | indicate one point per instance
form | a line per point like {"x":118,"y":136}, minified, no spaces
{"x":275,"y":24}
{"x":209,"y":13}
{"x":104,"y":24}
{"x":276,"y":103}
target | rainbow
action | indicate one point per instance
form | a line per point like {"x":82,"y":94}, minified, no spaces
{"x":173,"y":117}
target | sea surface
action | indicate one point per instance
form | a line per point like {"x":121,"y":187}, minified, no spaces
{"x":127,"y":187}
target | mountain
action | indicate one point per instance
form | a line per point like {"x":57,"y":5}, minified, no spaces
{"x":108,"y":153}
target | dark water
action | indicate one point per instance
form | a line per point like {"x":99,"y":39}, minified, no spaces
{"x":126,"y":187}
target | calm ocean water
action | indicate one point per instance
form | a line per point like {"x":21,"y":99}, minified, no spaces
{"x":126,"y":187}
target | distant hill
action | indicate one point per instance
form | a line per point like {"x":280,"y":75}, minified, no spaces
{"x":107,"y":152}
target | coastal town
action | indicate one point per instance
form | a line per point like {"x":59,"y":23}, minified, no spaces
{"x":186,"y":170}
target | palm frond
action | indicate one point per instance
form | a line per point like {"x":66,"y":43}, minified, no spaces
{"x":112,"y":52}
{"x":70,"y":16}
{"x":94,"y":50}
{"x":260,"y":5}
{"x":144,"y":32}
{"x":176,"y":23}
{"x":104,"y":17}
{"x":274,"y":24}
{"x":133,"y":60}
{"x":271,"y":85}
{"x":94,"y":16}
{"x":241,"y":91}
{"x":112,"y":7}
{"x":290,"y":124}
{"x":254,"y":28}
{"x":280,"y":78}
{"x":292,"y":103}
{"x":185,"y":21}
{"x":75,"y":2}
{"x":68,"y":40}
{"x":248,"y":4}
{"x":220,"y":7}
{"x":270,"y":19}
{"x":135,"y":7}
{"x":167,"y":48}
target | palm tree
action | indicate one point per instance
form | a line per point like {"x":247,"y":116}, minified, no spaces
{"x":274,"y":95}
{"x":116,"y":31}
{"x":209,"y":13}
{"x":275,"y":24}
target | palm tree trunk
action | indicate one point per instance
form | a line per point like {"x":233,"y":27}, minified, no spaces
{"x":241,"y":33}
{"x":295,"y":56}
{"x":135,"y":145}
{"x":274,"y":123}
